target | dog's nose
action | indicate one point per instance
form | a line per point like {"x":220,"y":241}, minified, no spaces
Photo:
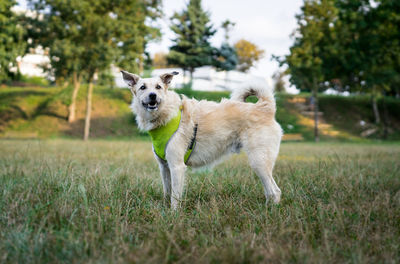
{"x":152,"y":96}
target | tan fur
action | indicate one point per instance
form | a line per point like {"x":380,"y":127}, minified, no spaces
{"x":223,"y":128}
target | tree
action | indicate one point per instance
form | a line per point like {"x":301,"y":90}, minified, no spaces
{"x":310,"y":59}
{"x":369,"y":38}
{"x":279,"y":85}
{"x":225,"y":58}
{"x":87,"y":36}
{"x":193,"y":30}
{"x":58,"y":27}
{"x":160,"y":60}
{"x":12,"y":42}
{"x":248,"y":54}
{"x":348,"y":45}
{"x":227,"y":25}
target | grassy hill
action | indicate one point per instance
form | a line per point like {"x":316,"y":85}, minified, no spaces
{"x":42,"y":112}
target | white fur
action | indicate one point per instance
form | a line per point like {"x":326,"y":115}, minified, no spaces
{"x":223,"y":128}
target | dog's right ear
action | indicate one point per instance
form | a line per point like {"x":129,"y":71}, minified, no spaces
{"x":167,"y":77}
{"x":130,"y":78}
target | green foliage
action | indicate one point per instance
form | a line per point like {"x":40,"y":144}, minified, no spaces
{"x":193,"y":30}
{"x":12,"y":42}
{"x":202,"y":95}
{"x":87,"y":36}
{"x":64,"y":201}
{"x":346,"y":45}
{"x":311,"y":55}
{"x":106,"y":78}
{"x":35,"y":80}
{"x":369,"y":42}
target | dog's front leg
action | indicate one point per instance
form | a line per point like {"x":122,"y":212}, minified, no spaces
{"x":177,"y":183}
{"x":165,"y":177}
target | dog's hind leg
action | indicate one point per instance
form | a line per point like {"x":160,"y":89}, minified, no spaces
{"x":263,"y":166}
{"x":262,"y":159}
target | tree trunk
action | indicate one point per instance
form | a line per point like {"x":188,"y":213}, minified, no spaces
{"x":375,"y":109}
{"x":375,"y":106}
{"x":226,"y":80}
{"x":88,"y":110}
{"x":386,"y":121}
{"x":72,"y":106}
{"x":316,"y":132}
{"x":191,"y":77}
{"x":184,"y":78}
{"x":65,"y":84}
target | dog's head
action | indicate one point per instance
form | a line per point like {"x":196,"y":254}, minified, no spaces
{"x":149,"y":92}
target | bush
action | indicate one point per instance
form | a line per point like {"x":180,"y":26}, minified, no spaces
{"x":35,"y":80}
{"x":202,"y":95}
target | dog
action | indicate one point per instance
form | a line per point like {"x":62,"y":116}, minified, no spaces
{"x":200,"y":133}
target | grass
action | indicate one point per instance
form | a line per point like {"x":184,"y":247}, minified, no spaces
{"x":338,"y":108}
{"x":66,"y":201}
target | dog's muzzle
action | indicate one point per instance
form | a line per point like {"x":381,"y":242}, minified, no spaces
{"x":152,"y":102}
{"x":151,"y":106}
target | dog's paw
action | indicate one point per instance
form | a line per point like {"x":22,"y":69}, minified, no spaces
{"x":275,"y":198}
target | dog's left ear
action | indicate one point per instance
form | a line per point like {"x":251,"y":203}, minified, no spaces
{"x":167,"y":77}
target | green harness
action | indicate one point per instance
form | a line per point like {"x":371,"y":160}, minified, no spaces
{"x":160,"y":137}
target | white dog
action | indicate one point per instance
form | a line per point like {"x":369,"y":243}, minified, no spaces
{"x":187,"y":132}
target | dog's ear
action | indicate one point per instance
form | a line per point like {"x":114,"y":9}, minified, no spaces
{"x":130,"y":78}
{"x":167,"y":77}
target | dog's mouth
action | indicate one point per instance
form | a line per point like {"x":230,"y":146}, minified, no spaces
{"x":151,"y":106}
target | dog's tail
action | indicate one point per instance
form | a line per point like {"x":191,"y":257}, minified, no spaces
{"x":261,"y":90}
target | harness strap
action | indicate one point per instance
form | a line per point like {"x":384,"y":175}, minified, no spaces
{"x":192,"y":144}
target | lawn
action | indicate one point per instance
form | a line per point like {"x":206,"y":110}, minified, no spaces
{"x":67,"y":201}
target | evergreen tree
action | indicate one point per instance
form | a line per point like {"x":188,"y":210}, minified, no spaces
{"x":225,"y":57}
{"x":193,"y":30}
{"x":12,"y":42}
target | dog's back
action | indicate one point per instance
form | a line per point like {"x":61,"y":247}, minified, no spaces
{"x":228,"y":126}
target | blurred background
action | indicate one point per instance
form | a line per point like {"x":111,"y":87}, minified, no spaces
{"x":333,"y":64}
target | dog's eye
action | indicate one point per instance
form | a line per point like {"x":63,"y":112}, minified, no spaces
{"x":158,"y":87}
{"x":142,"y":87}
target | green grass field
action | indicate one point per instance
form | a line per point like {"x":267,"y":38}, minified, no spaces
{"x":66,"y":201}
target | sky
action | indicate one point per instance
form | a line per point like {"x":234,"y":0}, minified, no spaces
{"x":266,"y":23}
